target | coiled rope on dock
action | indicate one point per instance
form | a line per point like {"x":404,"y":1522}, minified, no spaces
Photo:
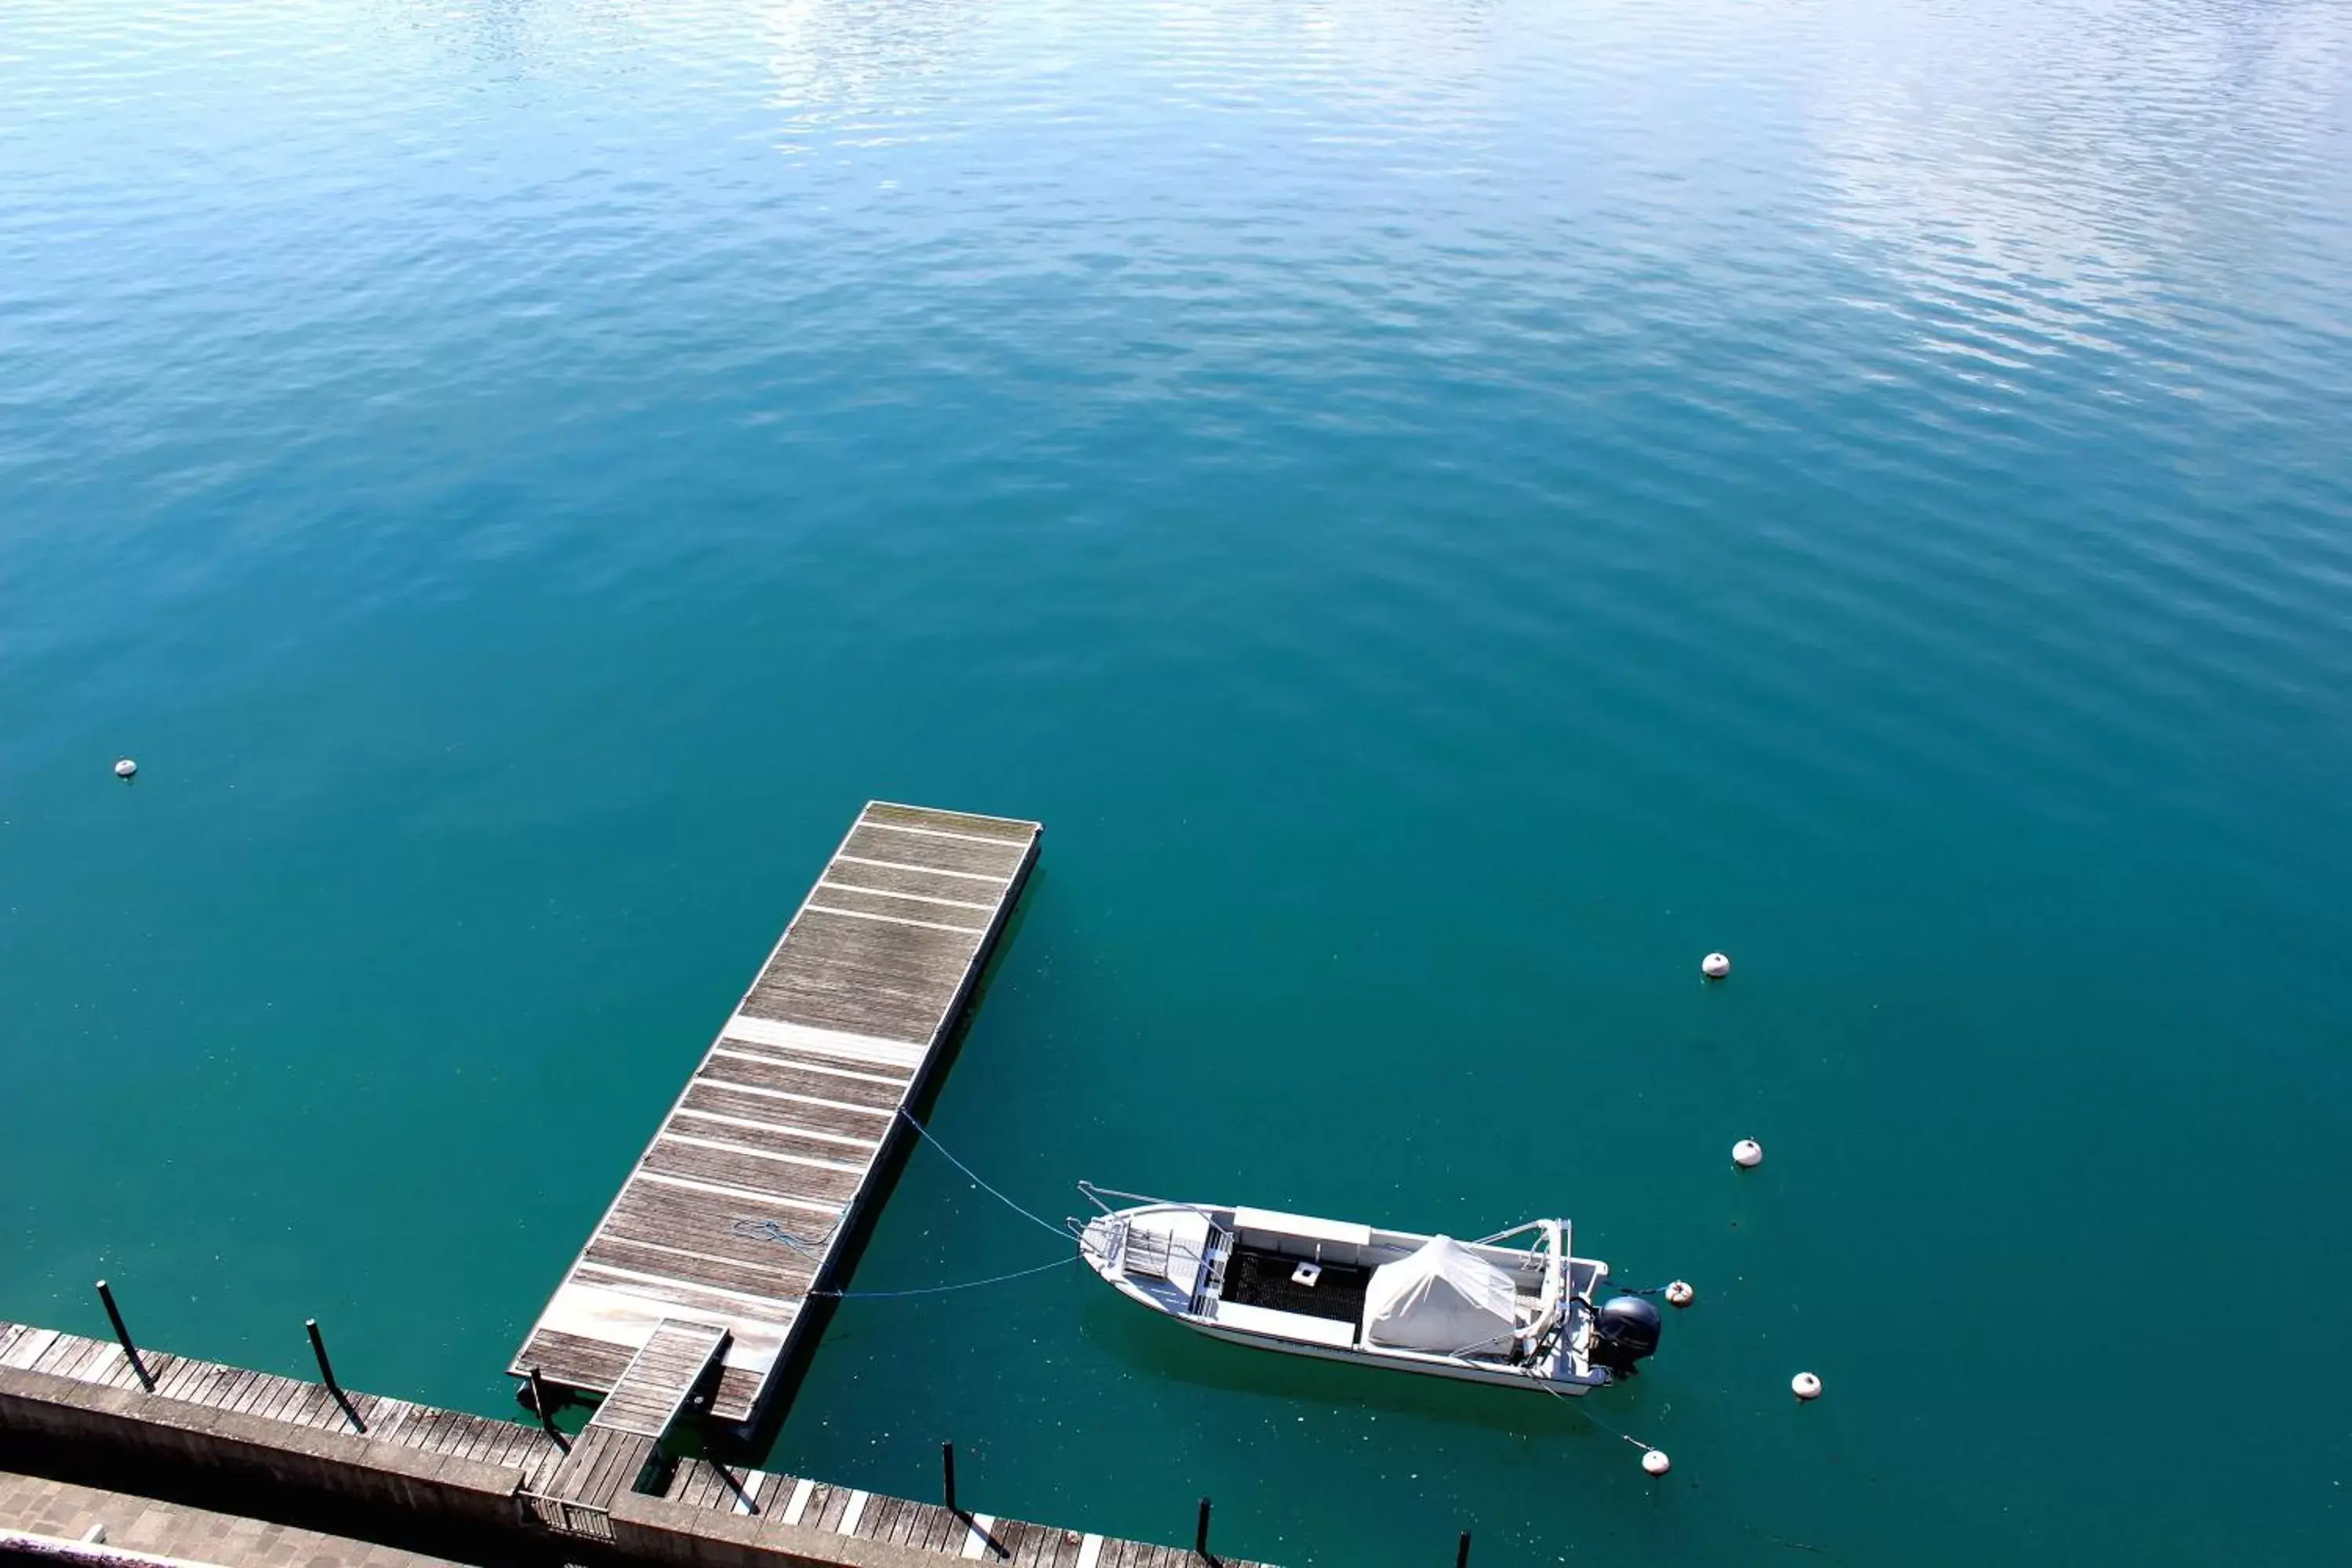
{"x":811,"y":1248}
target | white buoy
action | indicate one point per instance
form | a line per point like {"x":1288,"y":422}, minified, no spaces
{"x":1747,"y":1154}
{"x":1714,"y":966}
{"x":124,"y":768}
{"x":1805,"y":1385}
{"x":1680,"y":1294}
{"x":1656,"y":1462}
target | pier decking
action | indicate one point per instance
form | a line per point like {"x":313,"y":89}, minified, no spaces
{"x":260,"y":1433}
{"x":735,"y":1213}
{"x":689,"y":1298}
{"x":623,"y":1437}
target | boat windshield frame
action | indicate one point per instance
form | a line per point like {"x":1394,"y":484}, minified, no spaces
{"x":1550,"y":1243}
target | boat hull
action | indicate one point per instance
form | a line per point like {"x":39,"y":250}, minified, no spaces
{"x":1172,"y":1259}
{"x":1498,"y":1377}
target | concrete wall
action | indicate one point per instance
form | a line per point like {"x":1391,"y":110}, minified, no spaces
{"x":656,"y":1529}
{"x":255,"y":1451}
{"x":386,"y":1490}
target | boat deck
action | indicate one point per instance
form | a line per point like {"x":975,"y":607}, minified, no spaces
{"x":1255,"y":1277}
{"x":737,"y":1210}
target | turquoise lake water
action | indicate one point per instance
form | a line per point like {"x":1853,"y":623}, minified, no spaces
{"x":1447,"y":509}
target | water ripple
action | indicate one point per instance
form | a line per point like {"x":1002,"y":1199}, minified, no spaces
{"x":1448,"y":509}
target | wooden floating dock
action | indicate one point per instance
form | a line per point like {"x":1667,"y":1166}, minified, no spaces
{"x":737,"y":1210}
{"x":691,"y":1294}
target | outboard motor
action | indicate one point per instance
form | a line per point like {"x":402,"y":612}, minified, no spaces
{"x":1624,"y":1331}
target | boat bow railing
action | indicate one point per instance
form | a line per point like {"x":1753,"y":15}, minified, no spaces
{"x":1095,"y":1195}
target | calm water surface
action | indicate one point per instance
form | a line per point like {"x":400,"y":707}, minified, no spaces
{"x":1449,"y":509}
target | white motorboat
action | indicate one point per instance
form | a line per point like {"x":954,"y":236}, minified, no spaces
{"x":1517,"y":1308}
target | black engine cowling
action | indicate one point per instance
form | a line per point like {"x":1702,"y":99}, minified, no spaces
{"x":1624,"y":1331}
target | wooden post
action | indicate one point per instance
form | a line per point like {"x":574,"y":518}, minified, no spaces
{"x":122,"y":1337}
{"x":1201,"y":1535}
{"x":947,"y":1465}
{"x":1461,"y":1552}
{"x":319,"y":1348}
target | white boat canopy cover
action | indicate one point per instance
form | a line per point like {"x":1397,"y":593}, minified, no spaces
{"x":1442,"y":1298}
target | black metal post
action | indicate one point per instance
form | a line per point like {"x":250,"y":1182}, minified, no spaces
{"x":539,"y":1402}
{"x":319,"y":1348}
{"x":1201,"y":1535}
{"x":327,"y":1375}
{"x":947,"y":1465}
{"x":122,"y":1336}
{"x":1461,"y":1552}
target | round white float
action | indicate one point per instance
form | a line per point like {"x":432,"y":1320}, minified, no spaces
{"x":1680,"y":1294}
{"x":124,"y":768}
{"x":1747,"y":1154}
{"x":1656,"y":1462}
{"x":1714,"y":966}
{"x":1805,"y":1385}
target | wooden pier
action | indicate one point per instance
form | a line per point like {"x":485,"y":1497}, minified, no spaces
{"x":737,"y":1211}
{"x":244,"y":1437}
{"x":626,"y":1433}
{"x":691,"y":1295}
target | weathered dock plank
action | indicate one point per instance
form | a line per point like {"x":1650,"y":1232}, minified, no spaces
{"x":734,"y":1214}
{"x":289,"y":1402}
{"x":574,"y":1491}
{"x":660,"y":1377}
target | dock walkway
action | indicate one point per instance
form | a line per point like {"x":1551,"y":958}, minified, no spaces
{"x":290,"y":1402}
{"x":623,"y":1434}
{"x":691,"y":1293}
{"x":735,"y":1213}
{"x":48,"y":1378}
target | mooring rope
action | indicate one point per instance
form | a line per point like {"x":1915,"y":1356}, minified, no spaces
{"x":770,"y":1230}
{"x":1534,"y":1377}
{"x":943,"y":1289}
{"x":1645,"y":1447}
{"x":932,"y":1139}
